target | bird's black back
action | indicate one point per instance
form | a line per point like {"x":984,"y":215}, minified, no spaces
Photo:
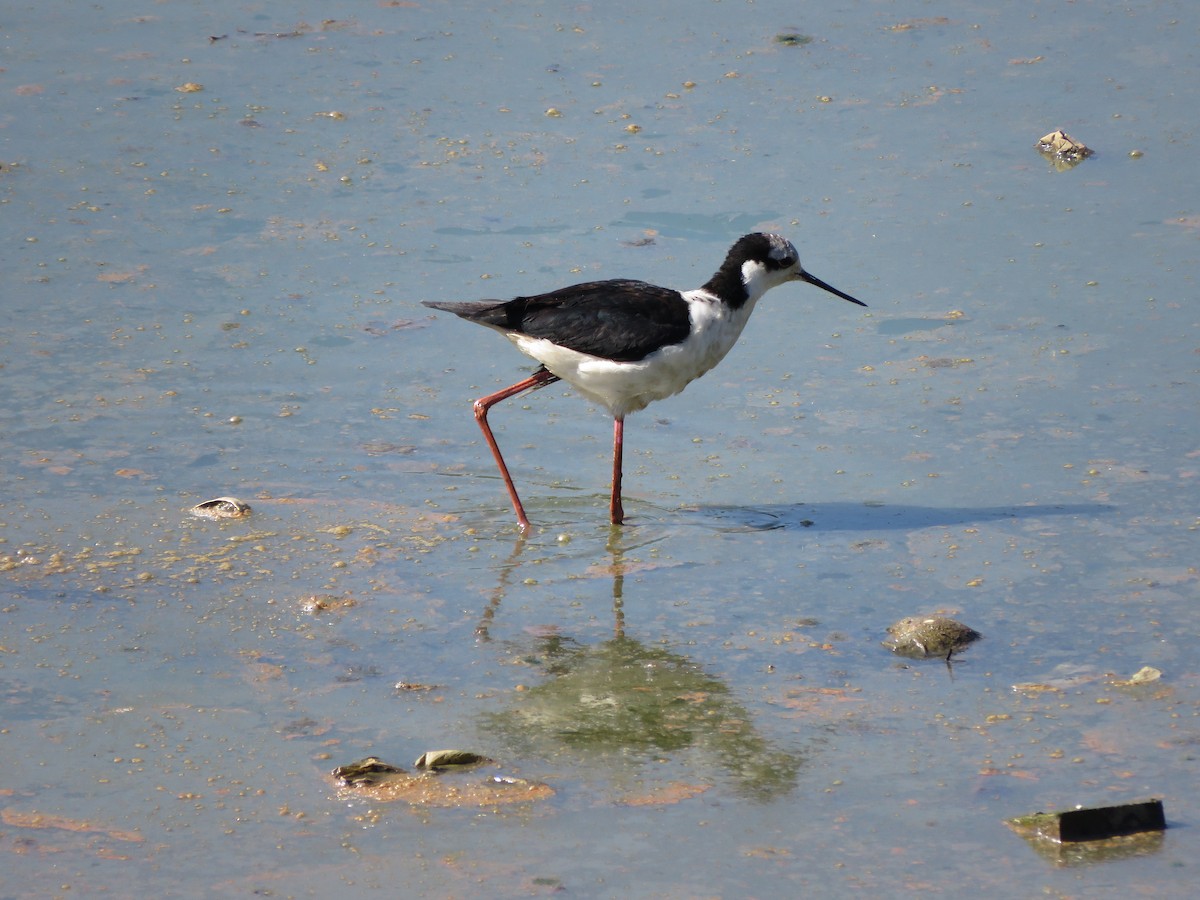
{"x":620,"y":319}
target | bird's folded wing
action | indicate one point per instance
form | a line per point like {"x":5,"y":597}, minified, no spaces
{"x":621,"y":320}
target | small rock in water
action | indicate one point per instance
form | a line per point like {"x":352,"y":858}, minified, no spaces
{"x":319,"y":603}
{"x":221,"y":508}
{"x":1144,"y":675}
{"x":440,"y":759}
{"x":793,"y":39}
{"x":1063,"y":149}
{"x":371,"y":770}
{"x":922,"y":637}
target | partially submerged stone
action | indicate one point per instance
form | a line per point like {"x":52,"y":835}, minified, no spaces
{"x":1144,"y":675}
{"x":924,"y":637}
{"x":221,"y":508}
{"x":793,"y":39}
{"x":374,"y":779}
{"x":441,"y":759}
{"x":316,"y":604}
{"x":368,"y":771}
{"x":1062,"y":149}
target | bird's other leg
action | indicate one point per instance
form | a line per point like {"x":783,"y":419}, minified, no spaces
{"x":538,"y":379}
{"x":615,"y":510}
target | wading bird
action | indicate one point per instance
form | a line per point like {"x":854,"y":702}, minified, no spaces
{"x":624,"y":344}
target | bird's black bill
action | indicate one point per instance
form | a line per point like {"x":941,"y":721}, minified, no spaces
{"x":814,"y":280}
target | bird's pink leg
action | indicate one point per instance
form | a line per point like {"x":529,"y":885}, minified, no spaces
{"x":538,"y":379}
{"x":615,"y":510}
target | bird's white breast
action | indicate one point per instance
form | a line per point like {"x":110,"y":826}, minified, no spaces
{"x":625,"y":387}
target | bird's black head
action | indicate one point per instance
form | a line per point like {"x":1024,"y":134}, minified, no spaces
{"x":773,"y":251}
{"x":758,"y":262}
{"x":754,"y":264}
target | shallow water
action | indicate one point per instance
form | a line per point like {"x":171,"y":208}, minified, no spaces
{"x":217,"y":291}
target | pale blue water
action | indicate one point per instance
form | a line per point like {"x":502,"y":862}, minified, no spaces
{"x":217,"y":292}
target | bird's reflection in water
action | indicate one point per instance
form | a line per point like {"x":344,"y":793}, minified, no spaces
{"x":644,"y":720}
{"x":509,"y":567}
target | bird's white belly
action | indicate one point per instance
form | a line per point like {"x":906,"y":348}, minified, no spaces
{"x":626,"y":387}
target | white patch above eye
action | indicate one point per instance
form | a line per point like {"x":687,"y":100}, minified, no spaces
{"x":782,"y":250}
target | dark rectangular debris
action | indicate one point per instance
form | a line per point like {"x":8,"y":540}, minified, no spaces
{"x":1096,"y":824}
{"x":1111,"y":821}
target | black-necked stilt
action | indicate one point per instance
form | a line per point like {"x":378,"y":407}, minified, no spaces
{"x":624,"y":344}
